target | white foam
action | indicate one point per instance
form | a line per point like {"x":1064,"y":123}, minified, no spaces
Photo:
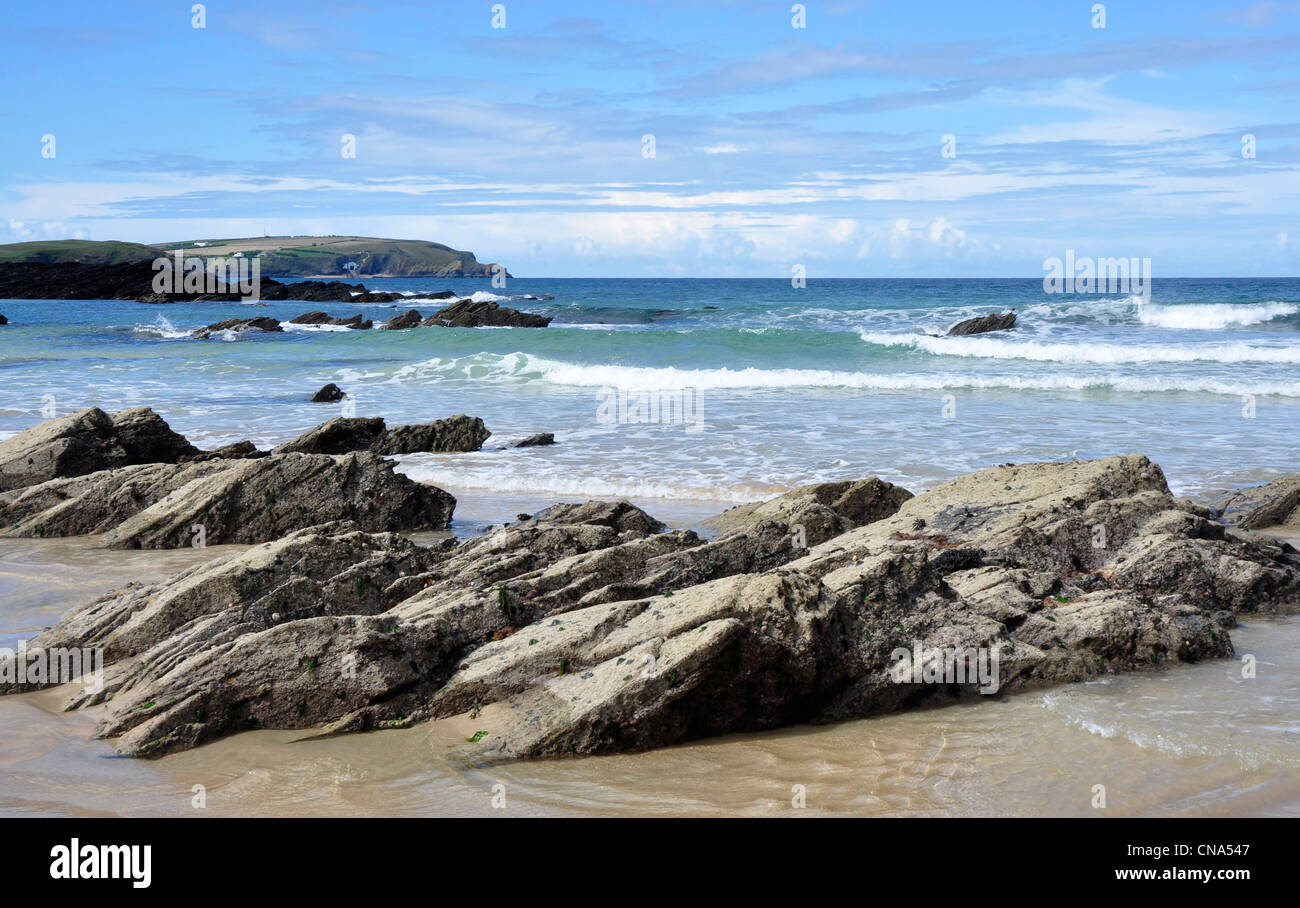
{"x":984,"y":347}
{"x":521,"y":367}
{"x":564,"y":481}
{"x":161,"y":327}
{"x":290,"y":326}
{"x":1212,"y":316}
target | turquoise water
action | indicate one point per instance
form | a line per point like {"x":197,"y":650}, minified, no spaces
{"x":781,"y":386}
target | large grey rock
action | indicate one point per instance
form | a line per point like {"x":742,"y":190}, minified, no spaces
{"x":87,"y":441}
{"x":589,"y":628}
{"x":233,"y":500}
{"x":457,"y":433}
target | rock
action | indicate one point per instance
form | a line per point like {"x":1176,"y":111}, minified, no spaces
{"x":590,"y":628}
{"x":533,"y":441}
{"x":1000,"y":321}
{"x":87,"y":441}
{"x":235,"y":501}
{"x":329,"y":569}
{"x":408,"y":319}
{"x":3,"y":320}
{"x":467,"y":313}
{"x":340,"y":435}
{"x":456,"y":433}
{"x":134,"y":281}
{"x":329,"y":394}
{"x":343,"y":434}
{"x":440,"y":295}
{"x":234,"y":451}
{"x":824,"y":509}
{"x":316,"y":317}
{"x":324,"y":292}
{"x":1275,"y":504}
{"x":238,"y":325}
{"x":146,"y":437}
{"x":324,"y":318}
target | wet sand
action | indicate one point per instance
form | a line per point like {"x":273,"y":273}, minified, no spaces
{"x":1187,"y":740}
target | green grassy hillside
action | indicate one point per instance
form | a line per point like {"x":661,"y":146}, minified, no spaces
{"x":92,"y":252}
{"x":303,"y":256}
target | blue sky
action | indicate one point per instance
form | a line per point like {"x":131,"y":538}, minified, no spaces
{"x":773,"y":145}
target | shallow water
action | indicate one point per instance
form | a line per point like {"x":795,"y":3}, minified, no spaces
{"x":1186,"y":740}
{"x":780,"y":386}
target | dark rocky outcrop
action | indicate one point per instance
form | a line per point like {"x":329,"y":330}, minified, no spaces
{"x":324,"y":318}
{"x":238,"y":326}
{"x":344,"y":434}
{"x":134,"y":281}
{"x":468,"y":314}
{"x":484,"y":313}
{"x":998,"y":321}
{"x":324,"y":292}
{"x":329,"y":394}
{"x":87,"y":441}
{"x":408,"y":319}
{"x":3,"y":320}
{"x":340,"y":435}
{"x":535,"y":441}
{"x":454,"y":434}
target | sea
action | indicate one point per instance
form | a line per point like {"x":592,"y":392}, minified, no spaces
{"x":672,"y":391}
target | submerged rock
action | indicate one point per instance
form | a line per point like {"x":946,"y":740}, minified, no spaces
{"x":238,"y":325}
{"x":408,"y":319}
{"x":324,"y":318}
{"x":329,"y":394}
{"x":1000,"y":321}
{"x":468,"y":313}
{"x":534,"y":441}
{"x":3,"y":320}
{"x":590,"y":628}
